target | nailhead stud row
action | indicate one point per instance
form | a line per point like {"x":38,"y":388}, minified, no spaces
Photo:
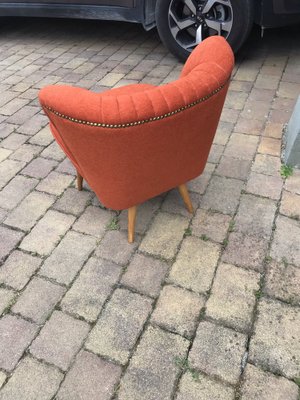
{"x":151,"y":119}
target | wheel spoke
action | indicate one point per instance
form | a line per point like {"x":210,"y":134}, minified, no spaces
{"x":182,"y":23}
{"x":219,"y":26}
{"x":199,"y":37}
{"x":190,"y":4}
{"x":210,"y":3}
{"x":190,"y":46}
{"x":216,"y":25}
{"x":226,"y":26}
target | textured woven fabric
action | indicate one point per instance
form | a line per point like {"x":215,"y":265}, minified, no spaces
{"x":137,"y":141}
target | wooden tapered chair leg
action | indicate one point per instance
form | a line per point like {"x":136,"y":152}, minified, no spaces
{"x":131,"y":223}
{"x":79,"y":181}
{"x":186,"y":198}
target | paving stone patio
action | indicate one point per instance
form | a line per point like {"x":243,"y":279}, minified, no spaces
{"x":200,"y":307}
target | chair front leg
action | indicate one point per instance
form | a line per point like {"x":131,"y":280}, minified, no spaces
{"x":79,"y":181}
{"x":131,"y":223}
{"x":186,"y":197}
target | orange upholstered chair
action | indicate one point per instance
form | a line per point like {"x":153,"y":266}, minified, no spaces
{"x":135,"y":142}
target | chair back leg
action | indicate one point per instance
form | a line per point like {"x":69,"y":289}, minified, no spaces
{"x":131,"y":223}
{"x":79,"y":181}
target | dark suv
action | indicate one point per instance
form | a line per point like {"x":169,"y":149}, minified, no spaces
{"x":181,"y":24}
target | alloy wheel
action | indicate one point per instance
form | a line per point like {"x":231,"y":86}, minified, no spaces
{"x":191,"y":21}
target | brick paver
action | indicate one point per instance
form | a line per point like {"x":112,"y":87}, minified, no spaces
{"x":282,"y":246}
{"x":55,"y":184}
{"x":145,"y":274}
{"x":210,"y":224}
{"x":173,"y":203}
{"x":278,"y":326}
{"x":202,"y":306}
{"x":68,"y":257}
{"x":264,"y":185}
{"x":199,"y":184}
{"x":169,"y":229}
{"x":18,"y":269}
{"x":290,"y":205}
{"x":39,"y":167}
{"x":195,"y":265}
{"x":292,"y":184}
{"x":233,"y":168}
{"x":228,"y":190}
{"x":241,"y":146}
{"x":32,"y":208}
{"x":178,"y":310}
{"x":119,"y":325}
{"x":218,"y":351}
{"x":283,"y":282}
{"x":114,"y":247}
{"x":157,"y":352}
{"x":54,"y":152}
{"x":72,"y":201}
{"x":4,"y":153}
{"x":267,"y":165}
{"x":52,"y":226}
{"x":38,"y":300}
{"x":90,"y":378}
{"x":2,"y":378}
{"x":233,"y":296}
{"x":91,"y":288}
{"x":32,"y":380}
{"x":191,"y":388}
{"x":26,"y":152}
{"x":8,"y":240}
{"x":7,"y":297}
{"x":16,"y":190}
{"x":265,"y":386}
{"x":59,"y":340}
{"x":255,"y":216}
{"x":146,"y":212}
{"x":93,"y":221}
{"x":16,"y":335}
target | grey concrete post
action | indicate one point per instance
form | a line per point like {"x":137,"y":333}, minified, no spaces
{"x":292,"y":138}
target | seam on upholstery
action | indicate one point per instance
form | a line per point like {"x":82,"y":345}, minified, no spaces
{"x":134,"y":106}
{"x":150,"y":101}
{"x":118,"y":108}
{"x":163,"y":97}
{"x":203,"y":81}
{"x":218,"y":65}
{"x":100,"y":107}
{"x":191,"y":84}
{"x":140,"y":122}
{"x":179,"y":91}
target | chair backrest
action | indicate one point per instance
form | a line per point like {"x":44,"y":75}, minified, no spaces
{"x":135,"y":142}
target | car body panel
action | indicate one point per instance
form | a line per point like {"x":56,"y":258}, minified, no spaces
{"x":118,"y":10}
{"x":268,"y":13}
{"x":122,"y":3}
{"x":276,"y":13}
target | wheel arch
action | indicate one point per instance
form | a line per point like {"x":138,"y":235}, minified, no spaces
{"x":149,"y":18}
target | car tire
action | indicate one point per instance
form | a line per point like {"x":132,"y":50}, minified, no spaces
{"x":182,"y":24}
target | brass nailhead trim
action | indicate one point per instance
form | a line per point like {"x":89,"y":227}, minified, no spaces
{"x":99,"y":124}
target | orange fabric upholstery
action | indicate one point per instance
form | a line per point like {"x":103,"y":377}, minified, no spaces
{"x":137,"y":141}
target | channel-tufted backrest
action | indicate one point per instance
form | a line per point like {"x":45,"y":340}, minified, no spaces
{"x":137,"y":141}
